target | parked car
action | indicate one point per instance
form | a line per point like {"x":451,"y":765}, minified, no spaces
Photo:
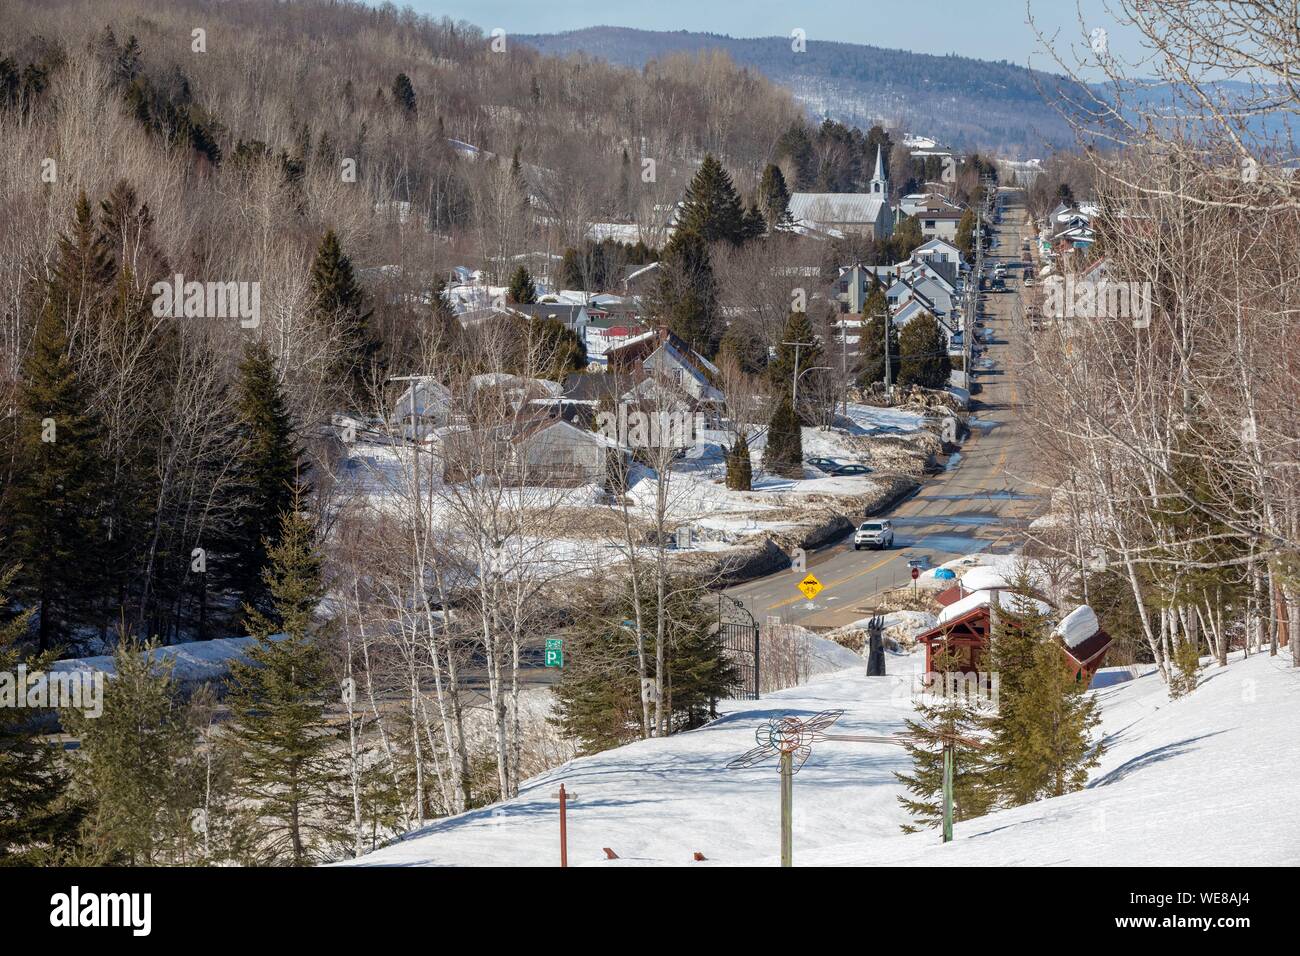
{"x":875,"y":534}
{"x":823,"y":464}
{"x":838,"y":469}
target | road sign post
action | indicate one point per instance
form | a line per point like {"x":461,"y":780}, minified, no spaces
{"x":810,"y":587}
{"x":947,"y":790}
{"x":554,"y":652}
{"x":565,"y":797}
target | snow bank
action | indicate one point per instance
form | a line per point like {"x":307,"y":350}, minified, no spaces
{"x":193,"y":662}
{"x":1203,"y":780}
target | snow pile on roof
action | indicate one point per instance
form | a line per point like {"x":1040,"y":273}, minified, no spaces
{"x":983,"y":578}
{"x":1077,"y":626}
{"x":1016,"y":603}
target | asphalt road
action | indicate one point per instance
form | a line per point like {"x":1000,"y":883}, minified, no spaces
{"x":975,"y":505}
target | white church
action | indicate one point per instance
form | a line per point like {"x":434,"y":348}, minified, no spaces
{"x":834,"y":214}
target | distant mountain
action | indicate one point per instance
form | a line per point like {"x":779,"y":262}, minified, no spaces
{"x":960,"y":101}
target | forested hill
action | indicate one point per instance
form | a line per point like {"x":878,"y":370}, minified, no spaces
{"x":958,"y":100}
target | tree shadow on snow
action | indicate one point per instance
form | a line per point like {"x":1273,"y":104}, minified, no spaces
{"x":1150,"y":757}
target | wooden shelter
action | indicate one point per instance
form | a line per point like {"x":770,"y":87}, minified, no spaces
{"x":966,"y":636}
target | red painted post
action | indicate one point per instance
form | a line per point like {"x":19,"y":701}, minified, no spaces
{"x":564,"y":828}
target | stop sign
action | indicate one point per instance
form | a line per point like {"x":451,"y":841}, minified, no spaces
{"x":916,"y":573}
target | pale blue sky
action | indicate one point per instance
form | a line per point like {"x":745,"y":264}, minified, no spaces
{"x":985,"y":29}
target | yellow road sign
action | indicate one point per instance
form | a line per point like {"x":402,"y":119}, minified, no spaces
{"x":810,"y":587}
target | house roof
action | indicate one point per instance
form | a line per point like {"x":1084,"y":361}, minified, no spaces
{"x":836,"y":207}
{"x":1086,"y":651}
{"x":569,"y":314}
{"x":936,"y":245}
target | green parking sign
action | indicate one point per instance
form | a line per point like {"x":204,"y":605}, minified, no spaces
{"x":554,"y":652}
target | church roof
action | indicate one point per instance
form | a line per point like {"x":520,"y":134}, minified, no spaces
{"x":836,"y":207}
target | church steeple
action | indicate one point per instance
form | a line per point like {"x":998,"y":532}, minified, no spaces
{"x":879,"y":184}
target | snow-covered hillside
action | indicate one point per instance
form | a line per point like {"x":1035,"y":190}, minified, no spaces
{"x":1207,"y":779}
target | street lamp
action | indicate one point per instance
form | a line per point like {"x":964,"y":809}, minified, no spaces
{"x":794,"y":393}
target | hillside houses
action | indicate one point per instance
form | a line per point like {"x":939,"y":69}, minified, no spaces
{"x":660,"y":359}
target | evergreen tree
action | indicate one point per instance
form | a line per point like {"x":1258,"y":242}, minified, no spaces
{"x":1185,"y":674}
{"x":687,"y":297}
{"x":711,"y":208}
{"x":795,"y":145}
{"x":58,"y":493}
{"x":598,"y":698}
{"x":137,"y":356}
{"x":266,"y":476}
{"x":907,"y":236}
{"x":923,"y":354}
{"x":742,"y":343}
{"x":784,"y":452}
{"x":444,"y":333}
{"x":1053,"y":722}
{"x":782,"y":371}
{"x":740,"y":468}
{"x":774,"y":199}
{"x":38,"y":822}
{"x":571,"y":272}
{"x":1040,"y":738}
{"x":965,"y":240}
{"x":521,"y":290}
{"x":138,"y":769}
{"x":952,"y":716}
{"x":338,"y":299}
{"x":877,"y":324}
{"x":286,"y":758}
{"x":404,"y":94}
{"x":558,"y":351}
{"x":752,"y":223}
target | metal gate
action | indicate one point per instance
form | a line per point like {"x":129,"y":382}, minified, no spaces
{"x":738,"y":632}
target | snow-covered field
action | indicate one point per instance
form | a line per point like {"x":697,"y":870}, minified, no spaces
{"x":1208,"y":779}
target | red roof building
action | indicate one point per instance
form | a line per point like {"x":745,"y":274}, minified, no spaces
{"x":967,"y":638}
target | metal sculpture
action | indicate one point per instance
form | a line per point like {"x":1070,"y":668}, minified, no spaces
{"x":791,"y":739}
{"x":876,"y":647}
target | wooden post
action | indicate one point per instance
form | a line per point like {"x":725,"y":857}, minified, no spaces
{"x":947,"y":791}
{"x":564,"y":827}
{"x":787,"y":798}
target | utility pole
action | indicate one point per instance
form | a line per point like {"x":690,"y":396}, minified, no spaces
{"x":889,"y":383}
{"x":973,"y":295}
{"x":794,"y":387}
{"x":844,"y":363}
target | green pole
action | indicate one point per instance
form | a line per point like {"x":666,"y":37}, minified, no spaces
{"x":787,"y":797}
{"x":947,"y":792}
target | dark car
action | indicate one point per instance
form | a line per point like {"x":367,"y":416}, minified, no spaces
{"x":838,"y":469}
